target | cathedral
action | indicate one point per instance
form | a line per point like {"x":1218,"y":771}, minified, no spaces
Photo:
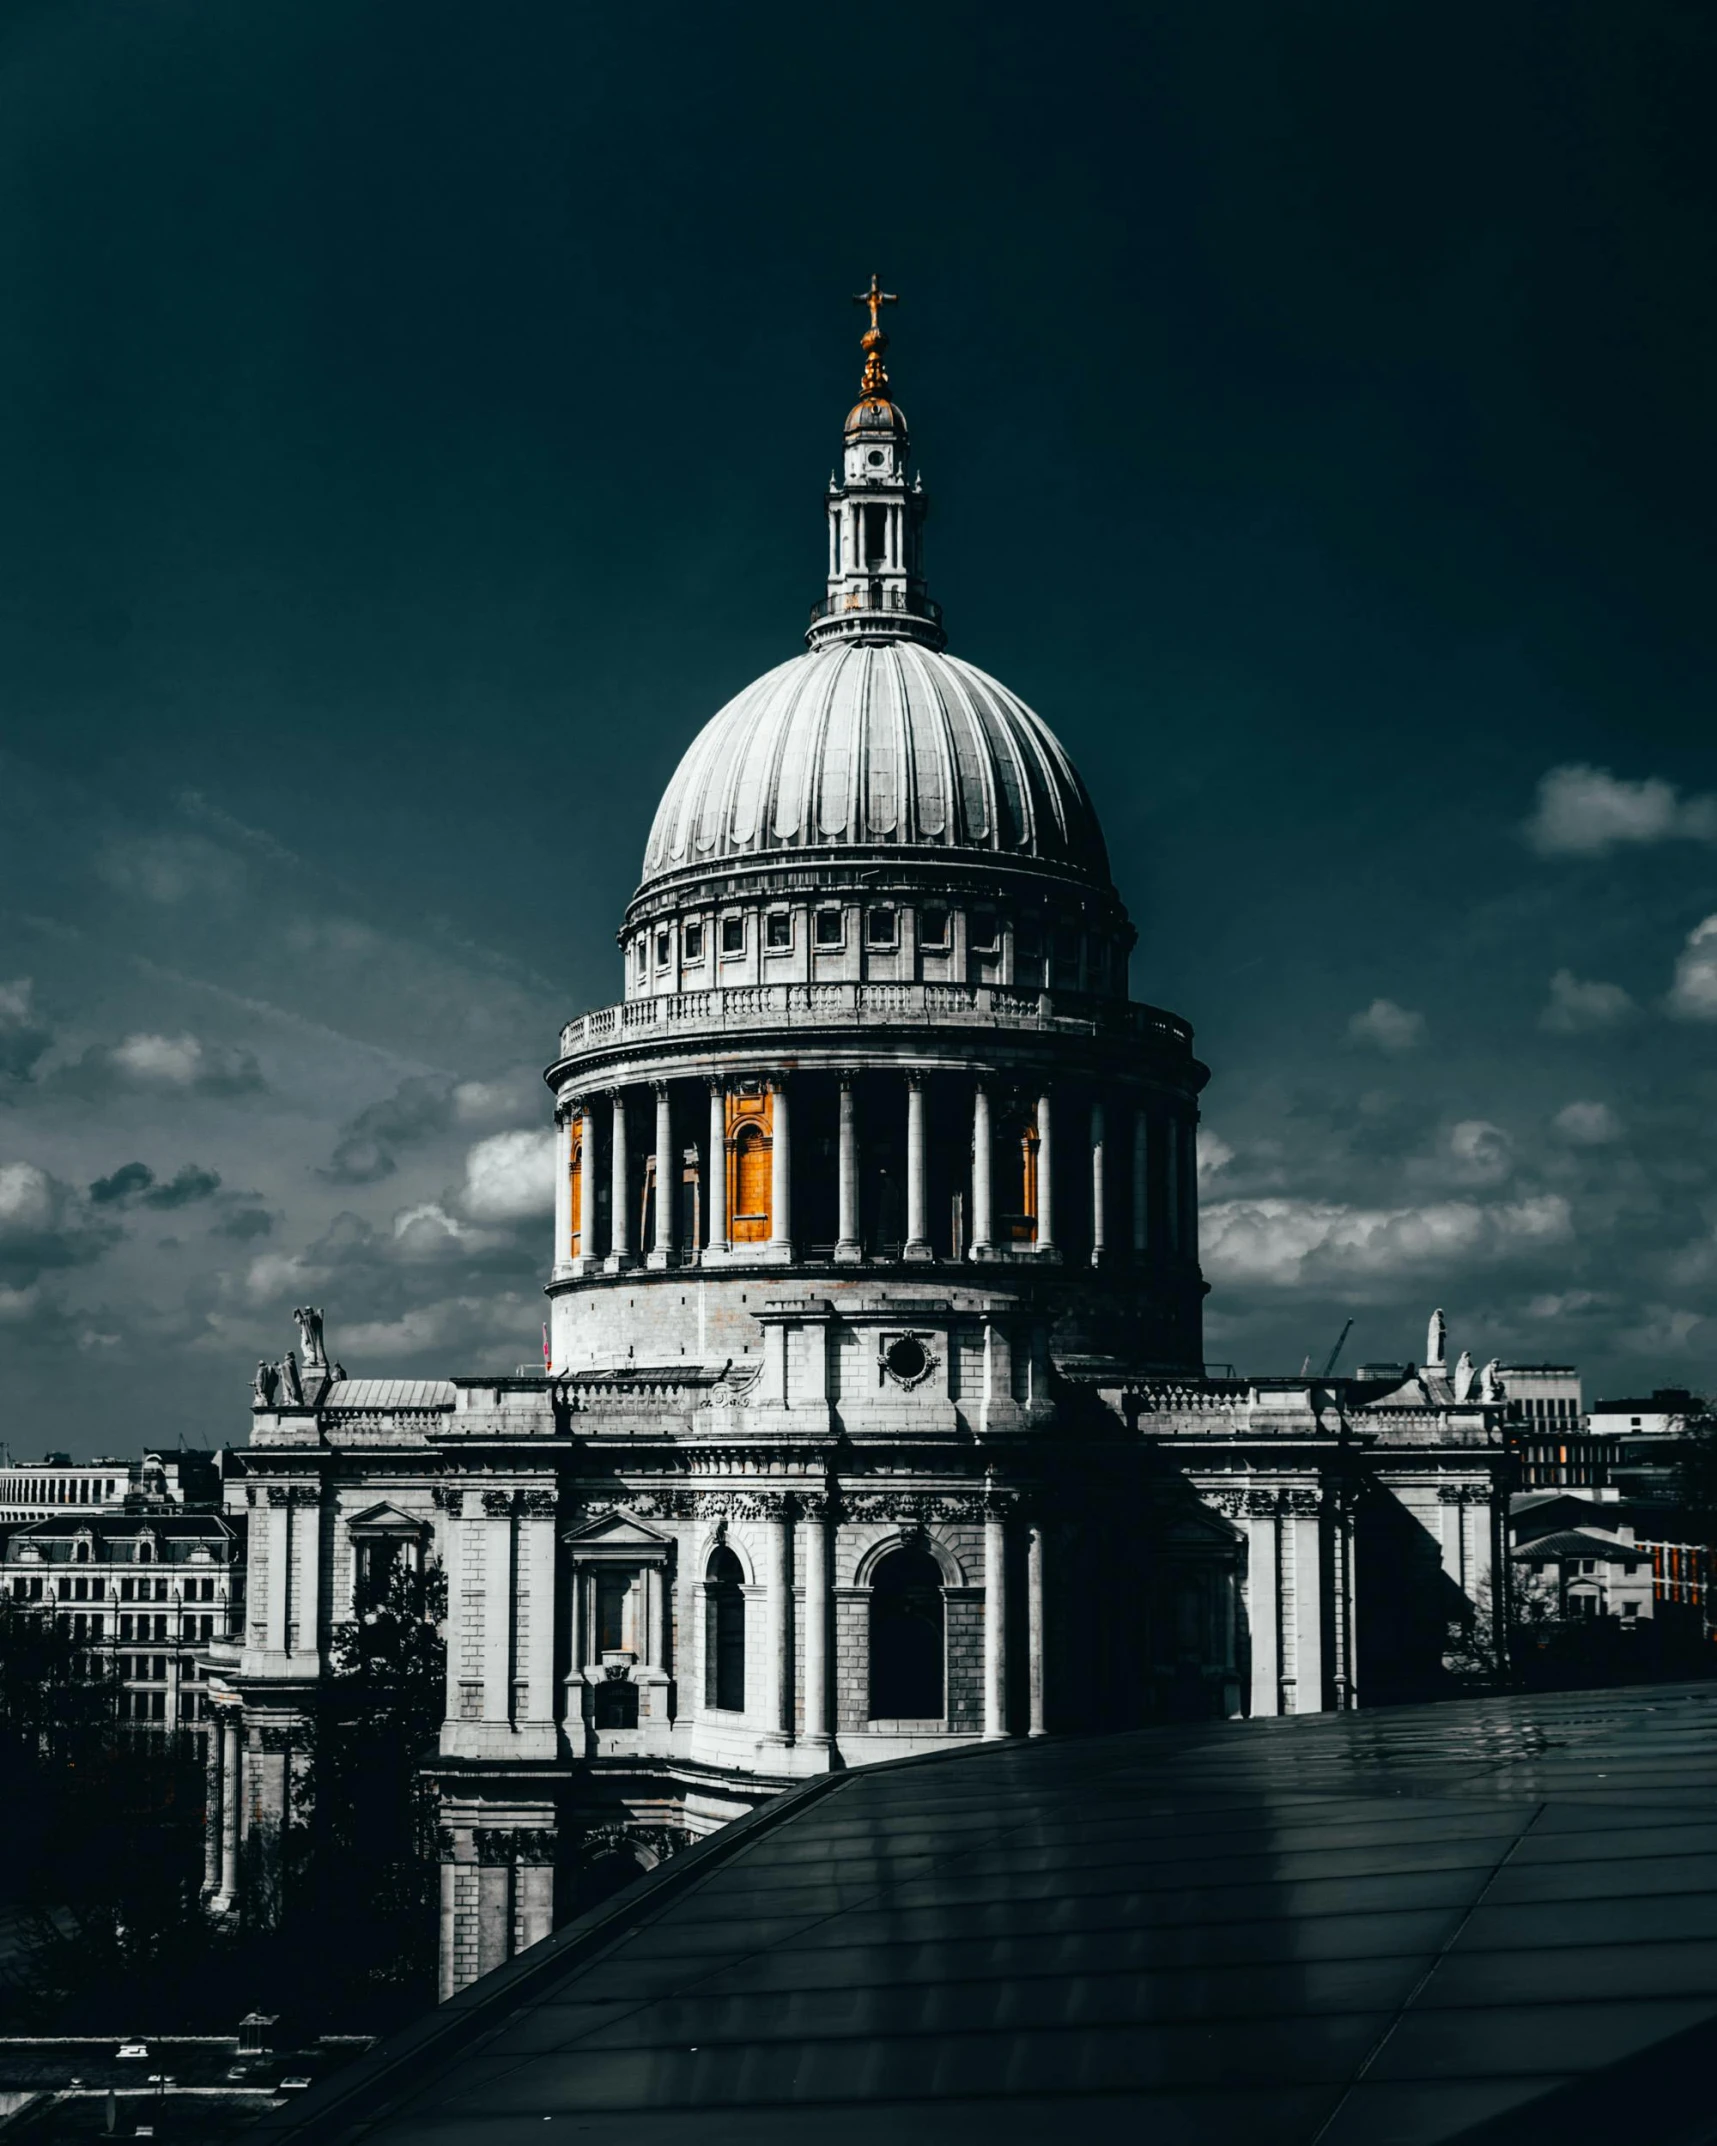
{"x":875,"y":1418}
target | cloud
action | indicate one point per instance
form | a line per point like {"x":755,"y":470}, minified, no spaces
{"x":1577,"y":1008}
{"x":24,"y":1037}
{"x":245,"y":1224}
{"x":1214,"y":1154}
{"x":1387,"y":1027}
{"x":1587,"y":1125}
{"x":1693,"y":995}
{"x":171,"y":869}
{"x":44,"y":1223}
{"x":1586,"y":811}
{"x":136,"y":1182}
{"x":368,"y":1147}
{"x":1294,"y":1244}
{"x":510,"y":1176}
{"x":171,"y":1064}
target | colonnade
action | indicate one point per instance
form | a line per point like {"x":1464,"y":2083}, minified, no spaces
{"x":1147,"y":1132}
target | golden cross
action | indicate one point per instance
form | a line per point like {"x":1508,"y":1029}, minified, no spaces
{"x":876,"y":298}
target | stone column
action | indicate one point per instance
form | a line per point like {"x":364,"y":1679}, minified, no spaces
{"x":995,"y":1622}
{"x":815,"y":1538}
{"x":1171,"y":1183}
{"x":1141,"y":1180}
{"x":619,"y":1217}
{"x":917,"y":1244}
{"x":279,"y":1568}
{"x":307,"y":1571}
{"x":1045,"y":1240}
{"x":213,"y":1802}
{"x":1099,"y":1215}
{"x":780,"y":1173}
{"x":230,"y":1786}
{"x":563,"y":1137}
{"x":849,"y":1248}
{"x":983,"y":1164}
{"x":715,"y":1170}
{"x":1189,"y":1188}
{"x":1263,"y":1603}
{"x":778,"y":1579}
{"x":536,"y":1526}
{"x":1034,"y":1620}
{"x":662,"y":1251}
{"x":498,"y":1607}
{"x":655,"y":1648}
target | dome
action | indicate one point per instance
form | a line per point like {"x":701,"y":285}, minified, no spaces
{"x":886,"y":745}
{"x":876,"y":415}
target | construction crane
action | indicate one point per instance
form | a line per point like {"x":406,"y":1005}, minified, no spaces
{"x":1335,"y":1353}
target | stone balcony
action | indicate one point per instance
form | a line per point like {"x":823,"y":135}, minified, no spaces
{"x":750,"y":1009}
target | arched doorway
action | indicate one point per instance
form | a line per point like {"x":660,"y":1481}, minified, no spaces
{"x":907,"y":1647}
{"x":724,"y":1588}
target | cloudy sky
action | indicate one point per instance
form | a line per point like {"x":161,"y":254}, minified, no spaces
{"x":413,"y":419}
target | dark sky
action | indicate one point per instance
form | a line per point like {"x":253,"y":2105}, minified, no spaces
{"x":413,"y":421}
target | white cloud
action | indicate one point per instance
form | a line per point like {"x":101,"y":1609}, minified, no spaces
{"x":1387,"y":1027}
{"x":1288,"y":1244}
{"x":1577,"y":1008}
{"x":1585,"y":811}
{"x":1214,"y":1154}
{"x":1693,"y":995}
{"x":272,"y":1275}
{"x":20,"y":1304}
{"x":180,"y":1062}
{"x":23,"y":1035}
{"x":1587,"y":1125}
{"x":509,"y":1176}
{"x":1481,"y":1153}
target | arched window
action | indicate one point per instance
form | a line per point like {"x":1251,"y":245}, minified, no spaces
{"x":751,"y":1185}
{"x":725,"y":1589}
{"x":577,"y":1198}
{"x":906,"y":1644}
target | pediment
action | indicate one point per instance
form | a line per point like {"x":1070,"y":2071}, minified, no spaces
{"x":616,"y":1529}
{"x":383,"y":1520}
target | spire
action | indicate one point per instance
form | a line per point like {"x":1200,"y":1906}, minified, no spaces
{"x":876,"y":512}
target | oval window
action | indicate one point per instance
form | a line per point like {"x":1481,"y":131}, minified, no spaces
{"x":906,"y":1359}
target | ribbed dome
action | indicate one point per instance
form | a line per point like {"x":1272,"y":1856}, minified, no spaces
{"x":876,"y":744}
{"x":876,"y":414}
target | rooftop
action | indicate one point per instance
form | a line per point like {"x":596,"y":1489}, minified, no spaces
{"x":1485,"y":1921}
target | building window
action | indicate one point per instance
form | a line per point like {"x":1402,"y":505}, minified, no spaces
{"x":933,"y":931}
{"x":664,"y":946}
{"x":613,"y":1604}
{"x":881,"y":928}
{"x":725,"y":1587}
{"x":643,"y":960}
{"x":733,"y":935}
{"x":615,"y":1704}
{"x":984,"y":931}
{"x":694,"y":942}
{"x":779,"y":930}
{"x":831,"y":928}
{"x":752,"y":1168}
{"x":906,"y":1640}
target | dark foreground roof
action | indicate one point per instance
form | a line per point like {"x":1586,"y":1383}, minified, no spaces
{"x":1493,"y":1920}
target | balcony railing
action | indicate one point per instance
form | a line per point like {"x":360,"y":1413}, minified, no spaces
{"x":877,"y":596}
{"x":742,"y":1008}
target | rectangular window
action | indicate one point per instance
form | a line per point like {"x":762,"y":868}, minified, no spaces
{"x":733,"y":935}
{"x":880,"y":927}
{"x":984,"y":931}
{"x":933,"y":930}
{"x":780,"y":930}
{"x":643,"y":963}
{"x":831,"y":928}
{"x":694,"y":942}
{"x":664,"y":945}
{"x":612,"y":1590}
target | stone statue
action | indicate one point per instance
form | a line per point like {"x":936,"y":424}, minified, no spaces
{"x":337,"y":1373}
{"x":263,"y":1385}
{"x":1464,"y":1375}
{"x":291,"y":1385}
{"x":1436,"y":1341}
{"x":1490,"y":1380}
{"x":310,"y":1333}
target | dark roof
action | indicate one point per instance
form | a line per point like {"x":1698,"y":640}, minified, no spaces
{"x":1423,"y":1923}
{"x":1579,"y":1542}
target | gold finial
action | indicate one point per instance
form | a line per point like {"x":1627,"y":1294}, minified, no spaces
{"x":874,"y":342}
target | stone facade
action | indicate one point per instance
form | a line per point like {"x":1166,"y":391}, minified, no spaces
{"x":876,"y":1418}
